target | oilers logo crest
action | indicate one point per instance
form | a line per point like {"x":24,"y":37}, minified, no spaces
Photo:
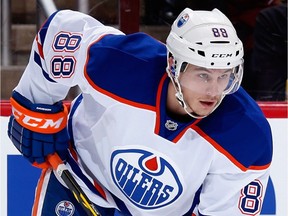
{"x":183,"y":19}
{"x":64,"y":208}
{"x":147,"y":180}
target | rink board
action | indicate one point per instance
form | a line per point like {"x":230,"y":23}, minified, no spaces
{"x":18,"y":178}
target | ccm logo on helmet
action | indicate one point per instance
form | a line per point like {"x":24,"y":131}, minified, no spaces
{"x":222,"y":55}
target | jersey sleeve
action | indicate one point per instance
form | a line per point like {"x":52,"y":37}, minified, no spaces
{"x":58,"y":56}
{"x":230,"y":194}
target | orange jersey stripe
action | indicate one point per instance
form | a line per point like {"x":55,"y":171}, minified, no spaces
{"x":38,"y":191}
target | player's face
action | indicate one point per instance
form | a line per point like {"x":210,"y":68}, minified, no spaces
{"x":202,"y":88}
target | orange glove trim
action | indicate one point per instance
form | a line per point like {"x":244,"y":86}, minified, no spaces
{"x":39,"y":122}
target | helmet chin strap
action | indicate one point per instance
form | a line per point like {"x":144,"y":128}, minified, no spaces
{"x":180,"y":99}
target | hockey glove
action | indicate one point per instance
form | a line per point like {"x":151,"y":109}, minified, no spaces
{"x":38,"y":130}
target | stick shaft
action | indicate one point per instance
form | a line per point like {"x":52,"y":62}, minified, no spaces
{"x":71,"y":183}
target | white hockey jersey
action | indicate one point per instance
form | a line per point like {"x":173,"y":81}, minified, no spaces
{"x":146,"y":161}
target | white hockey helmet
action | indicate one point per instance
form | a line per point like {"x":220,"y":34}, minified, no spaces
{"x":205,"y":39}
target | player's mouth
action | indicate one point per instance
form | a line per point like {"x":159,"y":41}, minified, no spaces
{"x":207,"y":103}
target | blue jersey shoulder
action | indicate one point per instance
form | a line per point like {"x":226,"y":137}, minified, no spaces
{"x":129,"y":66}
{"x":241,"y":131}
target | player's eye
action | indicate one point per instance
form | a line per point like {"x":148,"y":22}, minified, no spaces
{"x":203,"y":76}
{"x":224,"y":76}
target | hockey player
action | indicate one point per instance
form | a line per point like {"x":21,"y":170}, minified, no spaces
{"x":157,"y":130}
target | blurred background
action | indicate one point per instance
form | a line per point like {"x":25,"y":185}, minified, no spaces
{"x":260,"y":24}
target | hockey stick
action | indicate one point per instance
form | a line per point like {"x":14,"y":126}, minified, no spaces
{"x":62,"y":171}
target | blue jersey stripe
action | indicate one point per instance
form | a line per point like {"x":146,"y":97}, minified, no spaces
{"x":44,"y":28}
{"x":37,"y":60}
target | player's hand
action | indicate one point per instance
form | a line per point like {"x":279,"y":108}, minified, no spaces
{"x":38,"y":130}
